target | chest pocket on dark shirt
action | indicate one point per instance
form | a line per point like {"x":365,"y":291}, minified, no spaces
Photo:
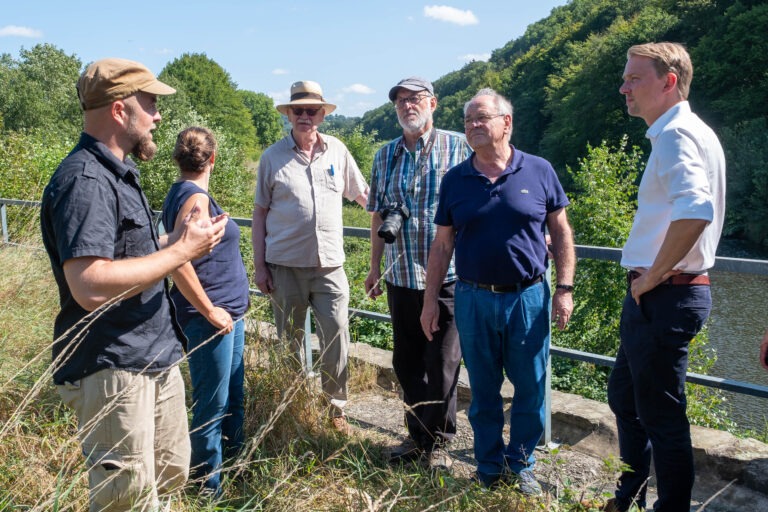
{"x":136,"y":233}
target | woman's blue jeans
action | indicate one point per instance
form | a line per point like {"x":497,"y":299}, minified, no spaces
{"x":505,"y":333}
{"x":217,"y":371}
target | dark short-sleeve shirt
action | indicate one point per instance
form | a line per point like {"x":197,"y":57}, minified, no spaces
{"x":500,"y":226}
{"x":93,"y":206}
{"x":222,"y":272}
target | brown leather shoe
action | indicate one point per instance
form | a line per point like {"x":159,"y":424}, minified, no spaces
{"x":341,"y":425}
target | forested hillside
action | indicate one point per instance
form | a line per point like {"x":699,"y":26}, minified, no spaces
{"x":563,"y":75}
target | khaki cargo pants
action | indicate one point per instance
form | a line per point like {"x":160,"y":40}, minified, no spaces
{"x":134,"y":435}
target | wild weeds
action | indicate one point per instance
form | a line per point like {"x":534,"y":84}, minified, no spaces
{"x":292,"y":459}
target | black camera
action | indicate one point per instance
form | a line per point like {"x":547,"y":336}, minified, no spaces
{"x":393,"y":217}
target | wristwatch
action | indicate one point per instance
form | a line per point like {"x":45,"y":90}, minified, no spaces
{"x":566,"y":287}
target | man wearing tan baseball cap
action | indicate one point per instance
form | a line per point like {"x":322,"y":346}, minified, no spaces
{"x":108,"y":80}
{"x":105,"y":255}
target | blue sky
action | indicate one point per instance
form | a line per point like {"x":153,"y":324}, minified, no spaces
{"x":356,"y":50}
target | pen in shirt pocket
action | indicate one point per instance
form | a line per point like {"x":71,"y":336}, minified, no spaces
{"x":330,"y":171}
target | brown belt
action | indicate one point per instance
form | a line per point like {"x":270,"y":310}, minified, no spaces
{"x":677,"y":279}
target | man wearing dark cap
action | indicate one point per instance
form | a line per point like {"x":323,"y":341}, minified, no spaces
{"x":117,"y":348}
{"x":405,"y":180}
{"x":298,"y":236}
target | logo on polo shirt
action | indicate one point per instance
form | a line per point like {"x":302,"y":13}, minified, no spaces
{"x":524,"y":191}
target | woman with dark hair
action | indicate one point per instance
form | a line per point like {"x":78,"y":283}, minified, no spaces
{"x":211,"y":298}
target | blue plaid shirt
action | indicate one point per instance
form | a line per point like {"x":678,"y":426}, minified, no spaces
{"x":395,"y":178}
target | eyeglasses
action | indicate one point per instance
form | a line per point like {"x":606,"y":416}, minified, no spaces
{"x":482,"y":118}
{"x":412,"y":100}
{"x":298,"y":111}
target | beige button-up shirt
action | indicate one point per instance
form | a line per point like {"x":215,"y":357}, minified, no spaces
{"x":303,"y":199}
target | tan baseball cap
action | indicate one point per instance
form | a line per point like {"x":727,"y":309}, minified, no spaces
{"x":108,"y":80}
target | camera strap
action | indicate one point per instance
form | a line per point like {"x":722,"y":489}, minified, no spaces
{"x":421,"y":164}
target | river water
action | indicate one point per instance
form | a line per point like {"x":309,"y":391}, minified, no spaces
{"x":736,"y":327}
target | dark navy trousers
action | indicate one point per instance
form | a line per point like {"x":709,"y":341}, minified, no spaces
{"x":646,"y":392}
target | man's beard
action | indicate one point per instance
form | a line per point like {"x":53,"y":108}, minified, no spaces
{"x":414,"y":125}
{"x":145,"y":148}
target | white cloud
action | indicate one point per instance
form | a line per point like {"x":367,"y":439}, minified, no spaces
{"x":279,"y":97}
{"x":279,"y":71}
{"x":16,"y":31}
{"x":164,"y":51}
{"x":358,"y":89}
{"x":474,"y":56}
{"x":450,"y":14}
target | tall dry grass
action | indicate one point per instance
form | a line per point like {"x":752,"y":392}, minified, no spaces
{"x":292,"y":461}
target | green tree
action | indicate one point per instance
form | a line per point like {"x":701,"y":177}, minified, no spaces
{"x":266,"y":119}
{"x":39,"y":90}
{"x":601,"y":215}
{"x":583,"y":101}
{"x":360,"y":144}
{"x":232,"y":184}
{"x":746,"y":153}
{"x":383,"y":121}
{"x":27,"y":161}
{"x":731,"y":66}
{"x":213,"y":94}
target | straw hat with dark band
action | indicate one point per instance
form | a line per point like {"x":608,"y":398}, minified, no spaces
{"x":306,"y":92}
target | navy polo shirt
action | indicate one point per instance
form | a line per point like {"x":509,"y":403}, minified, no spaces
{"x":94,"y":206}
{"x":500,"y":226}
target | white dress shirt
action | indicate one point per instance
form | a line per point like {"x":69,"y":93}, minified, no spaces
{"x":684,"y":179}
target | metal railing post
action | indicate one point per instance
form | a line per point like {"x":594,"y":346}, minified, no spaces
{"x":3,"y":214}
{"x":308,"y":342}
{"x":548,"y":377}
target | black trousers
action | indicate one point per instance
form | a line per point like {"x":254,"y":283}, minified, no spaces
{"x":428,"y":371}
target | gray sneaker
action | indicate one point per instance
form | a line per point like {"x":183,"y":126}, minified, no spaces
{"x":526,"y":483}
{"x":439,"y":460}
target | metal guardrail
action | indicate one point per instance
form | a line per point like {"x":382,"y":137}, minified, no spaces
{"x":737,"y":265}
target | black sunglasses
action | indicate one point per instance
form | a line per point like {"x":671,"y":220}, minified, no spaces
{"x":310,"y":111}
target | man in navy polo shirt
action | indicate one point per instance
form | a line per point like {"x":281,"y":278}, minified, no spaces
{"x":494,"y":208}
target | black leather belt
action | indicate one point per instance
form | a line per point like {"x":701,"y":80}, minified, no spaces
{"x":503,"y":288}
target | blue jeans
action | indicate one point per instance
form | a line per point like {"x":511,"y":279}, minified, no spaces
{"x":505,"y":333}
{"x":216,"y":367}
{"x":646,"y":392}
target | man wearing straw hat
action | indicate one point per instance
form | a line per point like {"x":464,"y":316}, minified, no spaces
{"x":298,"y":246}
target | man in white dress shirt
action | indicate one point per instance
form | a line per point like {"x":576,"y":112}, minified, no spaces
{"x":681,"y":204}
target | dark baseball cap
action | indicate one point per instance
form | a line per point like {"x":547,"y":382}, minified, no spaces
{"x":412,"y":83}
